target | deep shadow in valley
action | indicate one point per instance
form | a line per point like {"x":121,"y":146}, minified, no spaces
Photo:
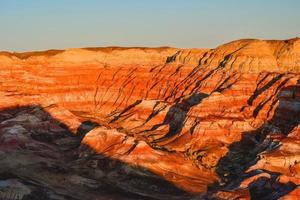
{"x":96,"y":176}
{"x":243,"y":154}
{"x":176,"y":116}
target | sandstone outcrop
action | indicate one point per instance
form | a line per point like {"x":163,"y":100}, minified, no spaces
{"x":152,"y":123}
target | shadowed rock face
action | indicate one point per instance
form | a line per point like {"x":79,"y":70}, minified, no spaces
{"x":151,"y":123}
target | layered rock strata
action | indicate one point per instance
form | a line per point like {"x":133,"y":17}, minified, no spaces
{"x":158,"y":123}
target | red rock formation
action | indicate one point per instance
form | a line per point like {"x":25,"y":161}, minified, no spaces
{"x":215,"y":123}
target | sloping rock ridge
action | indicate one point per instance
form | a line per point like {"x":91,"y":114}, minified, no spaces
{"x":152,"y":123}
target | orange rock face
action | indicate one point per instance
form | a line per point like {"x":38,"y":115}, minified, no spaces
{"x":156,"y":123}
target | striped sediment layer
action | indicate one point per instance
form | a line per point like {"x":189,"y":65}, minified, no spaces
{"x":215,"y":123}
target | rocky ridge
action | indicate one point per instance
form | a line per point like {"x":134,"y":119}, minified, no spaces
{"x":152,"y":123}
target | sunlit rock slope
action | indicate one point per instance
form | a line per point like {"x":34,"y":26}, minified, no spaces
{"x":152,"y":123}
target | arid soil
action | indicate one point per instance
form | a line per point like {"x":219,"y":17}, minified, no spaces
{"x":152,"y":123}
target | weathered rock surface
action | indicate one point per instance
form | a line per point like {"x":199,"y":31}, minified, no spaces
{"x":152,"y":123}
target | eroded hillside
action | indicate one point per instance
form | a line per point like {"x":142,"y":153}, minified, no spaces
{"x":152,"y":123}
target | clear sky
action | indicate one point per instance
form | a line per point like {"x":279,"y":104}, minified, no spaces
{"x":57,"y":24}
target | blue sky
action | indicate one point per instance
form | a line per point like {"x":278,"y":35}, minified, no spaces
{"x":57,"y":24}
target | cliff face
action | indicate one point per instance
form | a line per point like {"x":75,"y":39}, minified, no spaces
{"x":152,"y":122}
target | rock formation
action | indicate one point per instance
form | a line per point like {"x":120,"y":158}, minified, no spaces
{"x":152,"y":123}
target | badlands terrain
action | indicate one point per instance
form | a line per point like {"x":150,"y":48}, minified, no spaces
{"x":152,"y":123}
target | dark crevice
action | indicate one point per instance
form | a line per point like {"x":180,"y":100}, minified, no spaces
{"x":125,"y":110}
{"x":172,"y":58}
{"x":177,"y":114}
{"x":244,"y":153}
{"x":259,"y":91}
